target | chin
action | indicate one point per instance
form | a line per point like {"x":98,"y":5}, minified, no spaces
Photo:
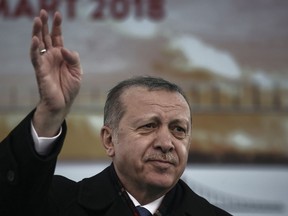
{"x":161,"y":181}
{"x":163,"y":176}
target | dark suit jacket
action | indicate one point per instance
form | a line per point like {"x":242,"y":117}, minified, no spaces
{"x":28,"y":186}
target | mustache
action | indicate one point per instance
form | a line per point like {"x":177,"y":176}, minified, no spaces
{"x":163,"y":157}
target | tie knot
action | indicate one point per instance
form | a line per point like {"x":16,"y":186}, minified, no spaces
{"x":143,"y":211}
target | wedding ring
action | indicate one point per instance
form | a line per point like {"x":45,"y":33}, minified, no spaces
{"x":42,"y":51}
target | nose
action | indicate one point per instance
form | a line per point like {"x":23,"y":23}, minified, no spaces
{"x":164,"y":141}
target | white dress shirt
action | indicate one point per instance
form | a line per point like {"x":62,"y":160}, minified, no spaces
{"x":43,"y":145}
{"x":151,"y":207}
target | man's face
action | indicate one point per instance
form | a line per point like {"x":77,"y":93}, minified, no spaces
{"x":153,"y":138}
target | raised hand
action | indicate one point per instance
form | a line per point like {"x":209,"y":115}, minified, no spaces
{"x":58,"y":73}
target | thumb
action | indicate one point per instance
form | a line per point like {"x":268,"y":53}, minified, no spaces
{"x":72,"y":60}
{"x":70,"y":57}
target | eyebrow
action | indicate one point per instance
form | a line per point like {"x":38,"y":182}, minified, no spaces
{"x":157,"y":119}
{"x":146,"y":118}
{"x":181,"y":121}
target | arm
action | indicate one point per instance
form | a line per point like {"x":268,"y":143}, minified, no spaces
{"x":25,"y":176}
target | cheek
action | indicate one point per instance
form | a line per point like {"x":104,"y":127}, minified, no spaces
{"x":129,"y":150}
{"x":182,"y":152}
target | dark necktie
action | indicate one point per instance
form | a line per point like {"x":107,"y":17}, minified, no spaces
{"x":143,"y":211}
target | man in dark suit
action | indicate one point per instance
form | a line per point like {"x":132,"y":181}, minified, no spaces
{"x":146,"y":132}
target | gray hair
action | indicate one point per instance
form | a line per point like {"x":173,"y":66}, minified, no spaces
{"x":114,"y":108}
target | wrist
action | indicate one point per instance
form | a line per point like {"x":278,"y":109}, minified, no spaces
{"x":48,"y":123}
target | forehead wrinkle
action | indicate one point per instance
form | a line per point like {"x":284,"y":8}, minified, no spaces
{"x":166,"y":106}
{"x":172,"y":108}
{"x":162,"y":114}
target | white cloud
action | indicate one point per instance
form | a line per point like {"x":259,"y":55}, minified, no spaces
{"x":241,"y":140}
{"x":95,"y":121}
{"x":202,"y":55}
{"x":261,"y":78}
{"x":136,"y":28}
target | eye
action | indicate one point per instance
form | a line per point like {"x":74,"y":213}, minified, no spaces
{"x":147,"y":128}
{"x":150,"y":125}
{"x":179,"y":132}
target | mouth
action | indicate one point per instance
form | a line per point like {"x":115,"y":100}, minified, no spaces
{"x":161,"y":164}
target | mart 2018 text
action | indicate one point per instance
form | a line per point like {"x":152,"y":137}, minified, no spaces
{"x":153,"y":10}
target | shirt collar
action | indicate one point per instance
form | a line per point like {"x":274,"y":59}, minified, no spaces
{"x":152,"y":207}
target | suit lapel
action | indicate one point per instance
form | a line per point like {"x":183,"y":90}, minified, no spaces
{"x":102,"y":193}
{"x":119,"y":208}
{"x":182,"y":201}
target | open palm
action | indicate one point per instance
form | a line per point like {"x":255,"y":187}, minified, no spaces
{"x":58,"y":70}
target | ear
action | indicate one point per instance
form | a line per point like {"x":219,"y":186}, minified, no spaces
{"x":107,"y":141}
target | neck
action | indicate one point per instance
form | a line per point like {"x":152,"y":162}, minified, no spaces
{"x":143,"y":193}
{"x":145,"y":196}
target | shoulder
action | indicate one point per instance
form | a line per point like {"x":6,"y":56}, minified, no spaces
{"x":63,"y":190}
